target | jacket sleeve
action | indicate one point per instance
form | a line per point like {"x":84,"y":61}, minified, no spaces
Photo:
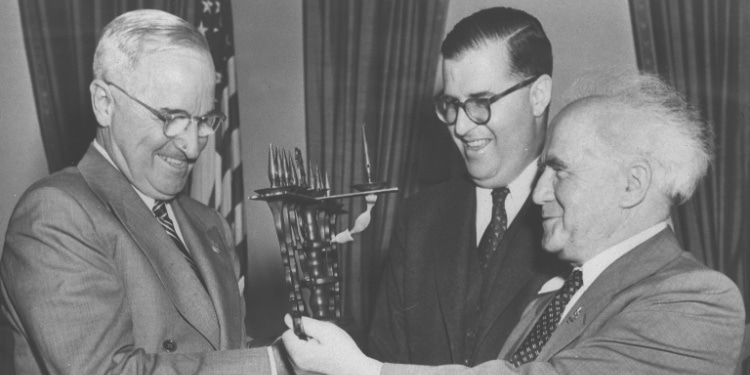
{"x":66,"y":304}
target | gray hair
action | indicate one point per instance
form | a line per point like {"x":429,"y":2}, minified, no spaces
{"x":655,"y":124}
{"x":133,"y":34}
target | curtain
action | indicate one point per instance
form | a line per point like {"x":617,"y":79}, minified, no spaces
{"x":374,"y":63}
{"x":60,"y":38}
{"x":701,"y":47}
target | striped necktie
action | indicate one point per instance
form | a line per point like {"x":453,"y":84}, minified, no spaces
{"x":534,"y":342}
{"x":160,"y":211}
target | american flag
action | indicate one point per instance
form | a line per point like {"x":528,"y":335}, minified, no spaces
{"x":217,"y":176}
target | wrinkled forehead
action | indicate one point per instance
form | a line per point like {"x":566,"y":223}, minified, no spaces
{"x":575,"y":130}
{"x":173,"y":65}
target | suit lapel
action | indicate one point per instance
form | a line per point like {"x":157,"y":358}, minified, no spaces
{"x":517,"y":236}
{"x":186,"y":292}
{"x":452,"y":241}
{"x":523,"y":267}
{"x":639,"y":263}
{"x":207,"y":250}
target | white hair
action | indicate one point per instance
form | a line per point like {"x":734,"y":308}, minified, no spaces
{"x":651,"y":121}
{"x":133,"y":34}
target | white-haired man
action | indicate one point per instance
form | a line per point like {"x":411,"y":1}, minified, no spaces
{"x":107,"y":268}
{"x":615,"y":162}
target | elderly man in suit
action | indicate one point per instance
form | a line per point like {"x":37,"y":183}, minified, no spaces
{"x":466,"y":257}
{"x":107,"y":268}
{"x":615,"y":162}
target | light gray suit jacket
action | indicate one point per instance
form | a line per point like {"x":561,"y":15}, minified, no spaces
{"x":92,"y":284}
{"x":656,"y":310}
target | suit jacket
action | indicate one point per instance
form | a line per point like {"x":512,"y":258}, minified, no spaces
{"x":419,"y":314}
{"x":92,"y":284}
{"x":656,"y":310}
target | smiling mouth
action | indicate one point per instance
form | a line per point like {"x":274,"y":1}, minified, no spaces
{"x":176,"y":163}
{"x":476,"y":144}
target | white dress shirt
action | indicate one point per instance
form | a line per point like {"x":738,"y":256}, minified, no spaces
{"x":520,"y":189}
{"x":596,"y":265}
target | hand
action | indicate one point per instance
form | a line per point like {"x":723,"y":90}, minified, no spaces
{"x":328,"y":350}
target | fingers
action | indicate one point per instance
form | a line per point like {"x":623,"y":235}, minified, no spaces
{"x":291,"y":341}
{"x":316,"y":330}
{"x":321,"y":331}
{"x":312,"y":328}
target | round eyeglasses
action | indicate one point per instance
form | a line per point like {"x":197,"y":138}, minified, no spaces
{"x":177,"y":121}
{"x":477,"y":109}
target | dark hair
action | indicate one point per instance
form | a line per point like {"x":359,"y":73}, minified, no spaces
{"x":528,"y":47}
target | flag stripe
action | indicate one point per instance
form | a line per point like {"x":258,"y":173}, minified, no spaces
{"x":217,"y":176}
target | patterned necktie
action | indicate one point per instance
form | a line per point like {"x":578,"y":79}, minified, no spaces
{"x":160,"y":211}
{"x":547,"y":323}
{"x":496,"y":229}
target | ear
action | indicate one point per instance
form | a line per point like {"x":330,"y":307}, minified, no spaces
{"x":101,"y":102}
{"x":638,"y":183}
{"x":540,"y":94}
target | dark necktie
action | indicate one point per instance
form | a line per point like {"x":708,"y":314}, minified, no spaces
{"x":496,"y":229}
{"x":160,"y":211}
{"x":547,"y":323}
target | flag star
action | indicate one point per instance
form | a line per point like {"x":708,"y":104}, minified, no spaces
{"x":202,"y":29}
{"x":206,"y":6}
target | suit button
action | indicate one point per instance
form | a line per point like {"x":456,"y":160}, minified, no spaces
{"x":470,"y":334}
{"x":169,"y":345}
{"x":466,"y":362}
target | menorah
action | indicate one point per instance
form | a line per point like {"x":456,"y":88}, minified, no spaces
{"x":305,"y":215}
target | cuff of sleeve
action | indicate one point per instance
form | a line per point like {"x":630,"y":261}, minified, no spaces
{"x":272,"y":361}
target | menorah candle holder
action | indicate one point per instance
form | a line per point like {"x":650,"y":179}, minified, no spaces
{"x":305,"y":215}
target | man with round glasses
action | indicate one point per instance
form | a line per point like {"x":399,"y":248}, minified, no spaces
{"x":466,"y":257}
{"x":107,"y":267}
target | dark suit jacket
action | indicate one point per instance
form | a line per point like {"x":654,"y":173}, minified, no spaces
{"x":92,"y":284}
{"x":419,"y":314}
{"x":656,"y":310}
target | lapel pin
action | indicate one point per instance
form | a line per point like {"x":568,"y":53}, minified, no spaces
{"x":575,"y":315}
{"x":215,"y":247}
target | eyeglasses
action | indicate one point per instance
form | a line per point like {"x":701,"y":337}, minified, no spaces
{"x":477,"y":109}
{"x":177,"y":121}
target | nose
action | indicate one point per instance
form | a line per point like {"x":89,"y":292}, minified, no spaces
{"x":544,"y":191}
{"x":463,"y":123}
{"x":189,"y":142}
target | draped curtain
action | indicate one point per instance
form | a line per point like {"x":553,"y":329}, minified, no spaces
{"x":701,"y":47}
{"x":370,"y":62}
{"x":60,"y":38}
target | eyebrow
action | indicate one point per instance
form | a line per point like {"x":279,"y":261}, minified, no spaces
{"x":179,"y":110}
{"x":476,"y":95}
{"x":554,"y":163}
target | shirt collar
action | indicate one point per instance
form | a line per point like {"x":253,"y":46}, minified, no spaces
{"x":520,"y":188}
{"x":596,"y":265}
